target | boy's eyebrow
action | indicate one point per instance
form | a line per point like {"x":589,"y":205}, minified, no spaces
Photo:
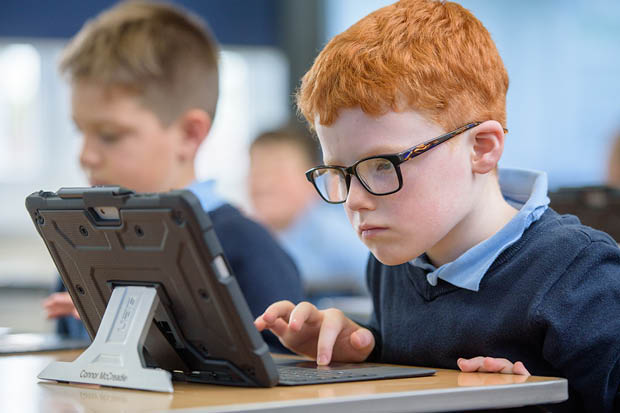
{"x":381,"y":150}
{"x":101,"y":124}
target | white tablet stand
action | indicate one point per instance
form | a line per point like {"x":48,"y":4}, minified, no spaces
{"x":115,"y":356}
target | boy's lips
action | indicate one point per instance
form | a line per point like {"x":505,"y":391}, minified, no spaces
{"x":368,"y":230}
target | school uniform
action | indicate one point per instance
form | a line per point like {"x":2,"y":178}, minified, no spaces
{"x":544,"y":290}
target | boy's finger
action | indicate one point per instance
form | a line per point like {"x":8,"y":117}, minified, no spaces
{"x":302,"y":313}
{"x":362,"y":339}
{"x":330,"y":329}
{"x":281,"y":309}
{"x":496,"y":365}
{"x":492,"y":365}
{"x":279,"y":328}
{"x":56,"y":310}
{"x":259,"y":323}
{"x":470,"y":365}
{"x":519,"y":368}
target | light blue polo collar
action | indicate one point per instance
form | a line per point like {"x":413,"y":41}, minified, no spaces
{"x":523,"y":189}
{"x":206,"y":192}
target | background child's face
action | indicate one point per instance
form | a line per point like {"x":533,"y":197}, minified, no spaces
{"x":278,"y":187}
{"x":124,"y":143}
{"x":436,"y":193}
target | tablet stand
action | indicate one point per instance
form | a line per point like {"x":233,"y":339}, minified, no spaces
{"x":115,"y":356}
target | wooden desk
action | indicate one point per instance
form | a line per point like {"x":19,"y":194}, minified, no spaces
{"x":21,"y":391}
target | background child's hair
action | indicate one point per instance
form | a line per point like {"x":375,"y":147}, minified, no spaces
{"x":293,"y":135}
{"x":430,"y":56}
{"x":163,"y":54}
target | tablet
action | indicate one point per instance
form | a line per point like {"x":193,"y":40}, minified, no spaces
{"x":157,"y":295}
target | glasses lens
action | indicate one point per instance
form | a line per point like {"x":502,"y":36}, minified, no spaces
{"x":331,"y":183}
{"x":378,"y":175}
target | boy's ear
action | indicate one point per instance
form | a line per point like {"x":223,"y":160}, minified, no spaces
{"x":488,"y":145}
{"x":195,"y":124}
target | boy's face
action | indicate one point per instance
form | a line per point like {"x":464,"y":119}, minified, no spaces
{"x":278,"y":188}
{"x":124,"y":143}
{"x":437,"y":191}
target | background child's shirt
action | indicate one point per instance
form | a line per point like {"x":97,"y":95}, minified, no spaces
{"x":326,"y":249}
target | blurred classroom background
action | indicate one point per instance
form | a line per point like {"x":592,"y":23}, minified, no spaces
{"x":563,"y":59}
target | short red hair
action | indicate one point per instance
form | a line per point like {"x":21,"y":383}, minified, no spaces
{"x":430,"y":56}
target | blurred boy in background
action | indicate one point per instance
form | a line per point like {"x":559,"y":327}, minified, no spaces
{"x":330,"y":257}
{"x":144,"y":83}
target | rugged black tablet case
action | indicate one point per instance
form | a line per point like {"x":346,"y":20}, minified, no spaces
{"x":203,"y":329}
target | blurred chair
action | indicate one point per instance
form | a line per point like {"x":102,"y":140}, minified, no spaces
{"x":596,"y":206}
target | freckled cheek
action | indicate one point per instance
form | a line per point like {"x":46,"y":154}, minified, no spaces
{"x":424,"y":202}
{"x":412,"y":214}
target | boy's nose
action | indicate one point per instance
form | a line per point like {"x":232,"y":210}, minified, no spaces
{"x":358,"y":197}
{"x":89,"y":156}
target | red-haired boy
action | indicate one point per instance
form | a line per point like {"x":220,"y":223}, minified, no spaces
{"x":469,"y":266}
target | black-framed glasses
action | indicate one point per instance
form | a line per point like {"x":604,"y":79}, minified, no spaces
{"x":379,"y":175}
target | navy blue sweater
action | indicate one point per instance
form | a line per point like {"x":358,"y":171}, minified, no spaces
{"x":264,"y":272}
{"x":551,"y":300}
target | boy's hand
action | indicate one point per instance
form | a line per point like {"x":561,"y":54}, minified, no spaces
{"x":60,"y":305}
{"x":492,"y":365}
{"x":325,"y":335}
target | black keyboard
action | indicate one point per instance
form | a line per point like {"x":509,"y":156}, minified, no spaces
{"x":315,"y":376}
{"x":296,"y":372}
